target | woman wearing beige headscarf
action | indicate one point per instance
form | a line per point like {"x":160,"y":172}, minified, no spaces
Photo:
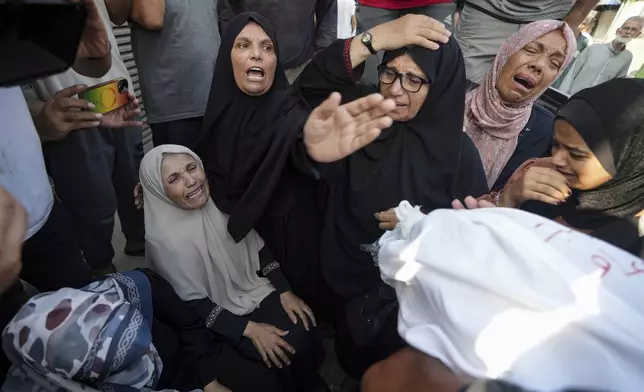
{"x":237,"y":288}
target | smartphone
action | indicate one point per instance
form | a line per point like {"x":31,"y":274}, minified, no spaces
{"x":107,"y":96}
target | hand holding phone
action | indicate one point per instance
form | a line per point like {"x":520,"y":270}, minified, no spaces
{"x":107,"y":97}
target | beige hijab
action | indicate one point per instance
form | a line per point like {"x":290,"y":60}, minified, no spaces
{"x":192,"y":248}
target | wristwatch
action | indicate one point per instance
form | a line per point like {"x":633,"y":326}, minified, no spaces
{"x":366,"y":40}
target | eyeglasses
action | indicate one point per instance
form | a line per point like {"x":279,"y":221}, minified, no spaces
{"x":408,"y":82}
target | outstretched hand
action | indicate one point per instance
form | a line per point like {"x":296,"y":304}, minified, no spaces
{"x":333,"y":132}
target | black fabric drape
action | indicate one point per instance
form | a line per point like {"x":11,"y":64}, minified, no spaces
{"x":610,"y":119}
{"x":428,"y":160}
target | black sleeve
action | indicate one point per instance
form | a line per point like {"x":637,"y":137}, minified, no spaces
{"x":329,"y":71}
{"x":460,"y":4}
{"x":271,"y":270}
{"x":199,"y":344}
{"x":471,"y":175}
{"x":302,"y":161}
{"x":326,"y":12}
{"x":534,"y":141}
{"x":219,"y":319}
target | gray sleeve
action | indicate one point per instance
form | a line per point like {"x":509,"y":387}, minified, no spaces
{"x":326,"y":12}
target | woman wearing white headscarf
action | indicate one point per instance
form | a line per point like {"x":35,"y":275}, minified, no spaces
{"x":237,"y":288}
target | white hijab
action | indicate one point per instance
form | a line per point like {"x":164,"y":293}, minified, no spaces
{"x":192,"y":248}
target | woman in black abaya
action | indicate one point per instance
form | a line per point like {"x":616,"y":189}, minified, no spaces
{"x":250,"y":126}
{"x":423,"y":158}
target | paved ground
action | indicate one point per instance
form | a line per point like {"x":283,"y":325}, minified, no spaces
{"x":330,"y":369}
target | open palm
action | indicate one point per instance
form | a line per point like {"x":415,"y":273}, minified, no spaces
{"x":334,"y":131}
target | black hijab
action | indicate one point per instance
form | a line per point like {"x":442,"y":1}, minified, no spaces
{"x":610,"y":119}
{"x":245,"y":139}
{"x":428,"y":161}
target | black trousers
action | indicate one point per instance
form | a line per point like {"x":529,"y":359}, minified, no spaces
{"x":95,"y":171}
{"x":51,"y":259}
{"x":182,"y":132}
{"x":301,"y":375}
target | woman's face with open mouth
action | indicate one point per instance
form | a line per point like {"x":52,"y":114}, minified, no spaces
{"x":254,"y":60}
{"x":184,"y":181}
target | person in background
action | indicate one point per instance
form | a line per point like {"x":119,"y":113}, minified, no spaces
{"x":484,"y":26}
{"x":346,"y":18}
{"x":175,"y":46}
{"x":51,"y":256}
{"x":304,"y":27}
{"x":584,"y":40}
{"x":95,"y":165}
{"x":602,"y":62}
{"x":371,"y":13}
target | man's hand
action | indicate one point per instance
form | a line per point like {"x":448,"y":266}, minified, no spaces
{"x":13,"y":226}
{"x":122,"y":117}
{"x":64,"y":114}
{"x":333,"y":132}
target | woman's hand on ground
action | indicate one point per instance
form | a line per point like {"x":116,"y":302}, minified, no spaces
{"x":538,"y":183}
{"x":215,"y":386}
{"x":333,"y":132}
{"x":295,"y":307}
{"x":388,"y":219}
{"x":138,"y":196}
{"x":268,"y":341}
{"x":471,"y":204}
{"x":409,"y":30}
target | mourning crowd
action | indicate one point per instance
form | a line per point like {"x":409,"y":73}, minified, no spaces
{"x":307,"y":154}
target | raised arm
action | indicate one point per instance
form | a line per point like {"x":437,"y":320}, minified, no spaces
{"x":119,"y":10}
{"x":149,"y":14}
{"x":340,"y":65}
{"x":579,"y":12}
{"x":93,"y":57}
{"x":326,"y":13}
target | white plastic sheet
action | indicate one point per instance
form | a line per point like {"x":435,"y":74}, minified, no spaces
{"x":501,"y":293}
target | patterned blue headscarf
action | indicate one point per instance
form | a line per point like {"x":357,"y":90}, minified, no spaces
{"x":94,"y":339}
